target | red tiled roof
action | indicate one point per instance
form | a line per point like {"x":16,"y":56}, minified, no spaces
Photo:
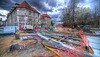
{"x":35,"y":10}
{"x":26,"y":5}
{"x":44,"y":15}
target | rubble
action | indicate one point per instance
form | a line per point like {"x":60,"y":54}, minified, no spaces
{"x":13,"y":47}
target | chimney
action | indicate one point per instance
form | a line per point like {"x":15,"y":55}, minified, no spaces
{"x":16,"y":3}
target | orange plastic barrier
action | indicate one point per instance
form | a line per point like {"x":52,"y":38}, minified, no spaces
{"x":76,"y":51}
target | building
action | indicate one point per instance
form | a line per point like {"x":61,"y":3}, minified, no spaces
{"x":59,"y":23}
{"x":23,"y":14}
{"x":45,"y":20}
{"x":2,"y":23}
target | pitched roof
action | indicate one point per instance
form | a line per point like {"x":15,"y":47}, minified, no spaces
{"x":44,"y":15}
{"x":26,"y":5}
{"x":35,"y":10}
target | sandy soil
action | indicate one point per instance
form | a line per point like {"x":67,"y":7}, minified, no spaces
{"x":23,"y":33}
{"x":5,"y":41}
{"x":65,"y":30}
{"x":33,"y":50}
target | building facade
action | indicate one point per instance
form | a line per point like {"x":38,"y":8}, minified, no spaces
{"x":23,"y":14}
{"x":45,"y":20}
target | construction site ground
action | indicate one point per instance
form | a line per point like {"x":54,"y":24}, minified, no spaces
{"x":6,"y":41}
{"x":30,"y":50}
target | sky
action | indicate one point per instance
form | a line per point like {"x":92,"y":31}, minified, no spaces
{"x":51,"y":7}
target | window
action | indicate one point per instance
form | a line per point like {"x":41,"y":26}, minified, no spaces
{"x":30,"y":19}
{"x":1,"y":29}
{"x":27,"y":23}
{"x":42,"y":17}
{"x":38,"y":15}
{"x":35,"y":17}
{"x":34,"y":20}
{"x":33,"y":13}
{"x":29,"y":12}
{"x":30,"y":23}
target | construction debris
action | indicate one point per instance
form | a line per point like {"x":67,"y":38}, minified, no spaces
{"x":13,"y":47}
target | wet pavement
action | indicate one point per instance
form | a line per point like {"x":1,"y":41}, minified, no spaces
{"x":94,"y":42}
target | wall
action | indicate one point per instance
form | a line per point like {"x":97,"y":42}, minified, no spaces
{"x":11,"y":19}
{"x":47,"y":21}
{"x":22,"y":16}
{"x":27,"y":17}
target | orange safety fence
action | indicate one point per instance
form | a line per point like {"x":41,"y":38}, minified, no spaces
{"x":83,"y":37}
{"x":69,"y":50}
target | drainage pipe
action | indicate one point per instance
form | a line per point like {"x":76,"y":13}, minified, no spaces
{"x":54,"y":41}
{"x":58,"y":43}
{"x":54,"y":51}
{"x":58,"y":48}
{"x":35,"y":42}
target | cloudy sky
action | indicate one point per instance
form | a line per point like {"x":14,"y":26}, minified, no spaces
{"x":52,"y":7}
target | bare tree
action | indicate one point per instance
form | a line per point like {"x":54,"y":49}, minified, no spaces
{"x":68,"y":13}
{"x":79,"y":15}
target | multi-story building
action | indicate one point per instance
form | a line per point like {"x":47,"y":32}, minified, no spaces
{"x":46,"y":20}
{"x":23,"y":14}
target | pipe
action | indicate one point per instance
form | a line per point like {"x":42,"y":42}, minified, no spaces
{"x":58,"y":48}
{"x":42,"y":37}
{"x":64,"y":40}
{"x":60,"y":44}
{"x":86,"y":41}
{"x":35,"y":42}
{"x":54,"y":51}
